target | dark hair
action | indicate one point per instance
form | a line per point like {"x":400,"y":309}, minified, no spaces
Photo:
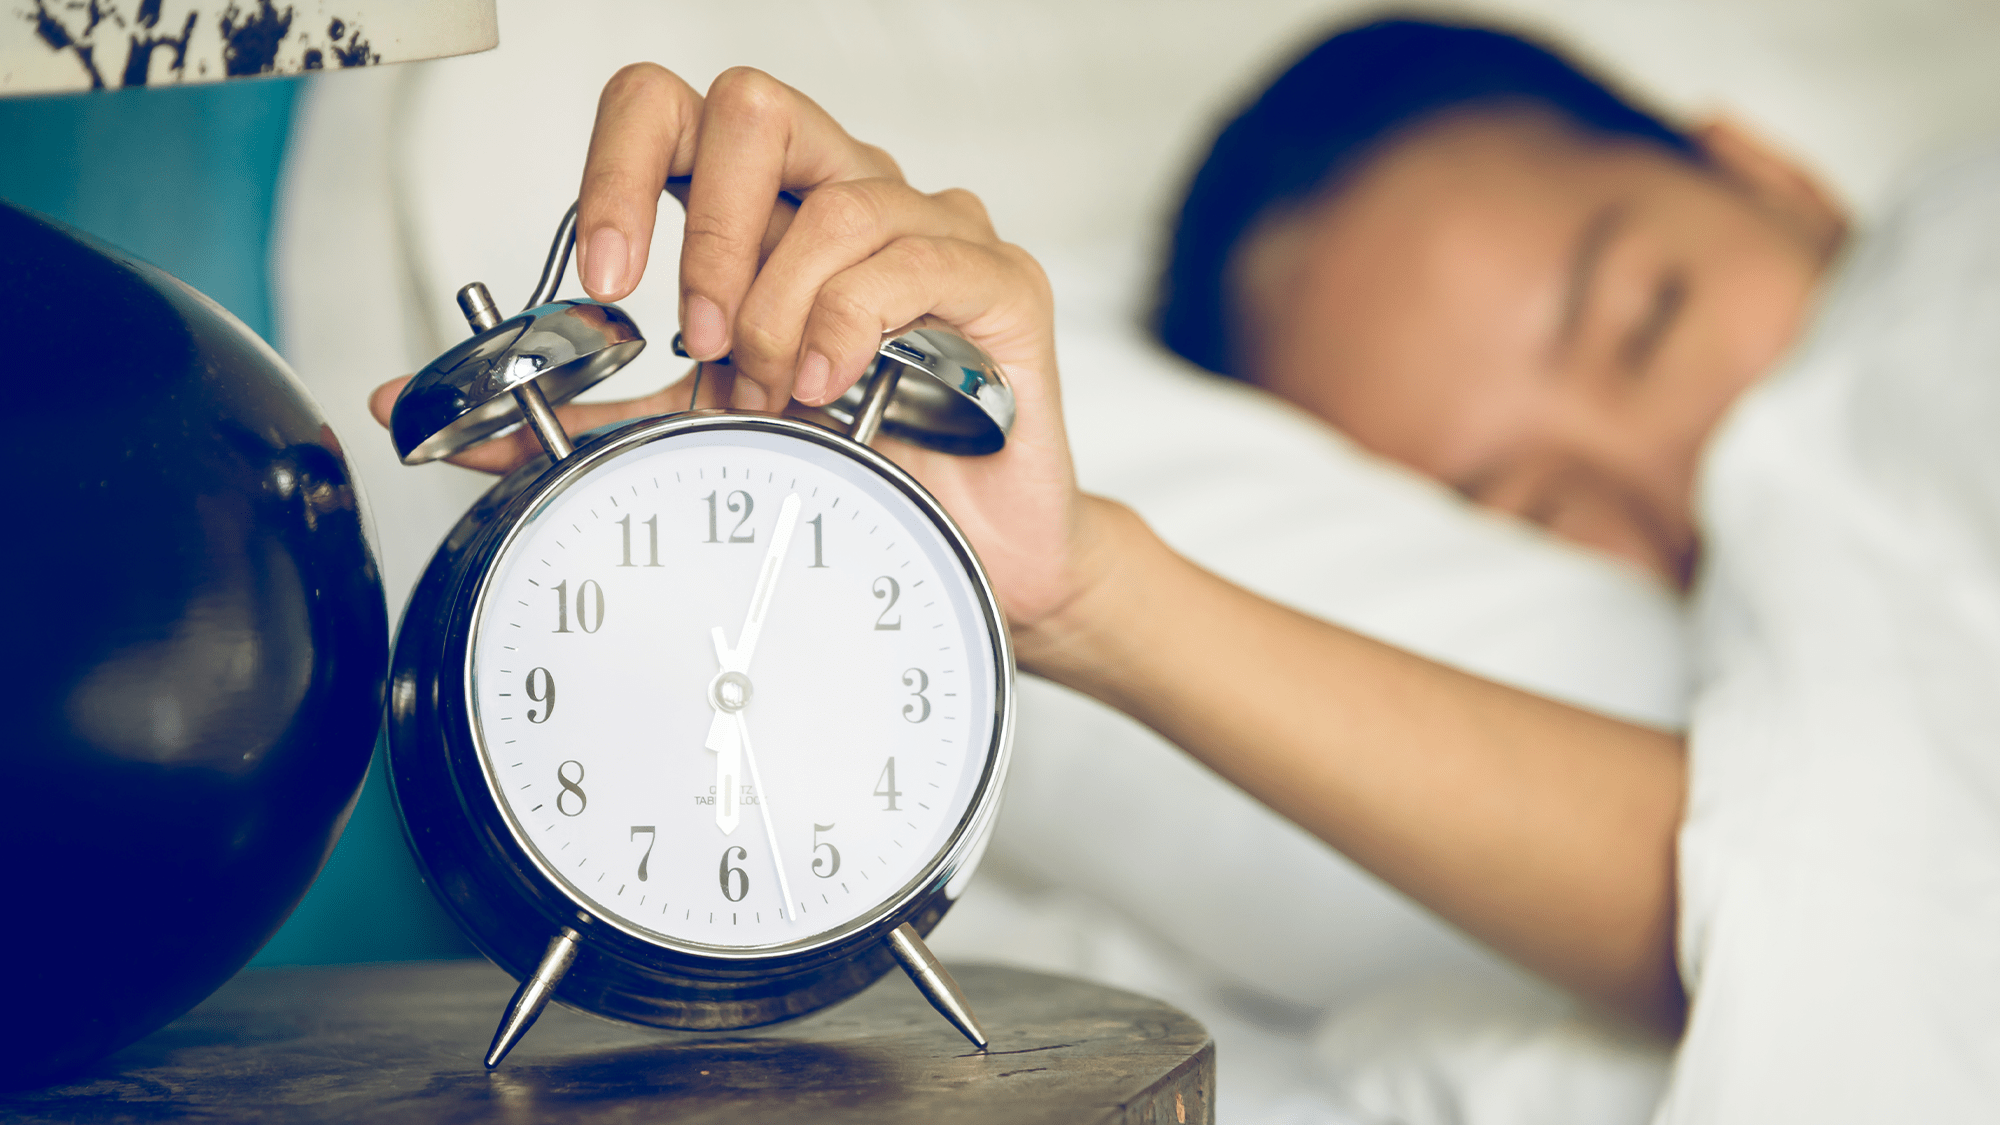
{"x":1329,"y":113}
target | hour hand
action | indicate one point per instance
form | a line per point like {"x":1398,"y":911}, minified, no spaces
{"x":725,"y":738}
{"x":728,"y":692}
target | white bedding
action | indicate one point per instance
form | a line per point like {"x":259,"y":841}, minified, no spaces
{"x":1332,"y":999}
{"x":1120,"y":858}
{"x":1840,"y":861}
{"x":1275,"y":501}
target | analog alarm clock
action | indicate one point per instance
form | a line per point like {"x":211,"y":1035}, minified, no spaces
{"x":698,"y":721}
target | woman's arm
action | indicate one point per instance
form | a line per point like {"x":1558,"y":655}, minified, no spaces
{"x":1544,"y":830}
{"x":1541,"y":829}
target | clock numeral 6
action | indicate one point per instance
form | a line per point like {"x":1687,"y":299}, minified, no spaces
{"x":546,"y":696}
{"x":736,"y":534}
{"x":826,"y":865}
{"x":651,"y":836}
{"x":589,"y":606}
{"x":921,"y":683}
{"x":735,"y":881}
{"x":571,"y":788}
{"x":885,"y":785}
{"x":892,"y":593}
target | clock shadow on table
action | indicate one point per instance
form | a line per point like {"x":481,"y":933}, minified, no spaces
{"x":699,"y":1077}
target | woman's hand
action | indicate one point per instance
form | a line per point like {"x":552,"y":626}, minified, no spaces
{"x":800,"y":296}
{"x":1545,"y":830}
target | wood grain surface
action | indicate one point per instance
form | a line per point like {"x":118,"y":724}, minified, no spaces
{"x":402,"y":1043}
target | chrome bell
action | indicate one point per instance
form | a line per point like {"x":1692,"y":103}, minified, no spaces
{"x":518,"y":369}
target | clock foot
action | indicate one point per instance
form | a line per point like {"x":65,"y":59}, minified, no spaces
{"x":936,"y":984}
{"x":533,"y":996}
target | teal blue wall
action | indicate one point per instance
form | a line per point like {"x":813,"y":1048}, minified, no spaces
{"x":186,"y":178}
{"x":369,"y":904}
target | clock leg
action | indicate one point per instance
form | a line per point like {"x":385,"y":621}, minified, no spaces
{"x":936,"y":984}
{"x":533,"y":996}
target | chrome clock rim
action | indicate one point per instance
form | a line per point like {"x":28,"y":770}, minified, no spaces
{"x":979,"y":812}
{"x":623,"y":969}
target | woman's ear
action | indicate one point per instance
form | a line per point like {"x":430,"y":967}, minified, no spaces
{"x":1775,"y":179}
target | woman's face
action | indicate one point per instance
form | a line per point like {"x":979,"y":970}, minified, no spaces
{"x":1551,"y":324}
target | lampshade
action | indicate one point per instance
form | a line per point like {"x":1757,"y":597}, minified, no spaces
{"x":52,"y":46}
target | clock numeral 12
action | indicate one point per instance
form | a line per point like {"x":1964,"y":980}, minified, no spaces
{"x":736,"y":534}
{"x":652,"y":539}
{"x":885,"y":785}
{"x":589,"y":606}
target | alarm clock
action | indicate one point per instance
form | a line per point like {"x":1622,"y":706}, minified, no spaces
{"x":698,"y":721}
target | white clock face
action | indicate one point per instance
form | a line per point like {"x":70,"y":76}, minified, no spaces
{"x":734,"y":690}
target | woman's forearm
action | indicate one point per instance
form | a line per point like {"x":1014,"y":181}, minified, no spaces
{"x":1544,"y":830}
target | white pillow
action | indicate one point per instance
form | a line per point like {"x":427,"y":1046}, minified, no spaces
{"x":1272,"y":499}
{"x":1840,"y":857}
{"x":1244,"y":485}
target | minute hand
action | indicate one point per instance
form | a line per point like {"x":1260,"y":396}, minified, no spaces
{"x":723,"y":732}
{"x":738,"y":659}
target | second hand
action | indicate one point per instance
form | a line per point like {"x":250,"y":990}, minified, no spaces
{"x":764,"y":806}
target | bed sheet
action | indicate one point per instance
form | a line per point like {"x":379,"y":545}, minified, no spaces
{"x":1075,"y":122}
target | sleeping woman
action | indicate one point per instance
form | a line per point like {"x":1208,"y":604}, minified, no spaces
{"x":1479,"y":262}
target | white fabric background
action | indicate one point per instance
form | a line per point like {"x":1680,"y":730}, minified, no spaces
{"x":1840,"y":861}
{"x":1075,"y":120}
{"x":1332,"y":998}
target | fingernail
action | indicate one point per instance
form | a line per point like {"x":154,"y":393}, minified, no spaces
{"x":810,"y":383}
{"x":748,"y":396}
{"x":702,"y":330}
{"x":604,"y":261}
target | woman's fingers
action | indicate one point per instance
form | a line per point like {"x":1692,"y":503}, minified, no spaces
{"x":838,"y":226}
{"x":989,"y":290}
{"x":759,"y":137}
{"x":992,"y":292}
{"x":648,"y":121}
{"x":803,"y":247}
{"x":735,"y":151}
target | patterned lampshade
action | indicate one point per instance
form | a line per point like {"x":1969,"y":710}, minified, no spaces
{"x":52,"y":46}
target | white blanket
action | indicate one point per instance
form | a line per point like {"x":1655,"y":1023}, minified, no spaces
{"x":1332,"y":998}
{"x":1840,"y":861}
{"x":1075,"y":123}
{"x":1131,"y":864}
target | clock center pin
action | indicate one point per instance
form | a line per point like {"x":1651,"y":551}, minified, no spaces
{"x":730,"y":691}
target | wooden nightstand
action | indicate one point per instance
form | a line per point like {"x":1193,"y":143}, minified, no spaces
{"x":396,"y":1043}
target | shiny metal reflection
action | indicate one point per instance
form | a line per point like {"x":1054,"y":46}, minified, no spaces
{"x":533,"y":996}
{"x":935,"y":983}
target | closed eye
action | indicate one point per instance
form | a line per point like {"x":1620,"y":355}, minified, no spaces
{"x":1644,"y":340}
